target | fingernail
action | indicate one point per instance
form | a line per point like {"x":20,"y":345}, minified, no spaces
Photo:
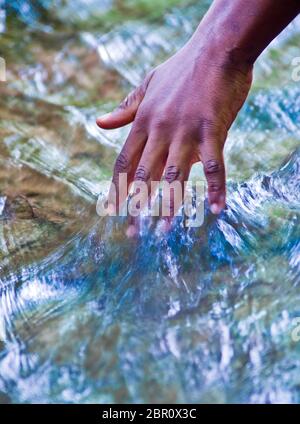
{"x":104,"y":117}
{"x":215,"y":209}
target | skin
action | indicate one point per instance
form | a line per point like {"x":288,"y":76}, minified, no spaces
{"x":184,"y":108}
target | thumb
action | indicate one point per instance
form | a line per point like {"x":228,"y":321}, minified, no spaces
{"x":125,"y":113}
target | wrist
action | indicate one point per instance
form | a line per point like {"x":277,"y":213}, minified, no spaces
{"x":220,"y":49}
{"x":238,"y":31}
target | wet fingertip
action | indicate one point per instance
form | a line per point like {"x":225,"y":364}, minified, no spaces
{"x":131,"y":231}
{"x":164,"y":226}
{"x":111,"y":209}
{"x":215,"y":208}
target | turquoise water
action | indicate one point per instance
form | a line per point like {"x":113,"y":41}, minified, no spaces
{"x":86,"y":315}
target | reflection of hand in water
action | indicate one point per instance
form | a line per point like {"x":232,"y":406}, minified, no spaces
{"x":185,"y":107}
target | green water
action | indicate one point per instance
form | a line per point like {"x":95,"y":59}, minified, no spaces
{"x":86,"y":315}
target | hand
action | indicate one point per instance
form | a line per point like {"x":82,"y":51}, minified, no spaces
{"x":181,"y":115}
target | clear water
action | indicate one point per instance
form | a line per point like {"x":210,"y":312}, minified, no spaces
{"x":86,"y":315}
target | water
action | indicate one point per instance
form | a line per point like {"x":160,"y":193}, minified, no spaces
{"x":86,"y":315}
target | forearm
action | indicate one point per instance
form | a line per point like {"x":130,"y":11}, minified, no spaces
{"x":244,"y":28}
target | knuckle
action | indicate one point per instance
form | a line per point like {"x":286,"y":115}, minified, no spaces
{"x":211,"y":129}
{"x":160,"y":124}
{"x":206,"y":128}
{"x":125,"y":103}
{"x":212,"y":167}
{"x":141,"y":174}
{"x":207,"y":123}
{"x":133,"y":97}
{"x":172,"y":173}
{"x":122,"y":164}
